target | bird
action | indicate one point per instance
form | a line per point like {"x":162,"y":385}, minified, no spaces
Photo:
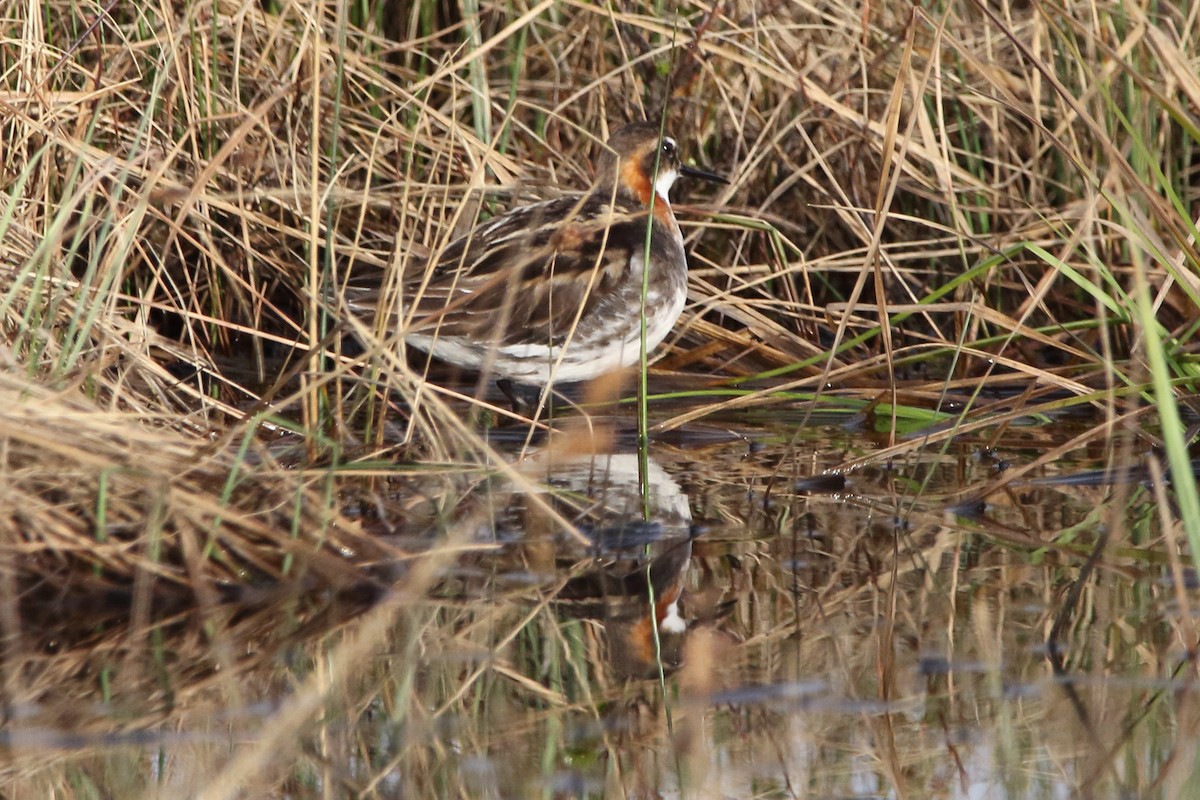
{"x":552,"y":291}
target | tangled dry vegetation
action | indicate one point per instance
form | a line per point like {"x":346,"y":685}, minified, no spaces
{"x":985,"y":205}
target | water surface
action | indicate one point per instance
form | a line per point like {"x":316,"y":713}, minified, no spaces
{"x":855,"y":618}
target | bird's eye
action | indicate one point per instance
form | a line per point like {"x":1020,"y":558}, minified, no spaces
{"x":668,"y":147}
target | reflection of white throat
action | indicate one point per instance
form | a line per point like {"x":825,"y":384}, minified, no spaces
{"x":672,"y":622}
{"x":666,"y":179}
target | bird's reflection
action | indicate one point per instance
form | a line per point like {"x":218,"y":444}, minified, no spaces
{"x":621,"y":553}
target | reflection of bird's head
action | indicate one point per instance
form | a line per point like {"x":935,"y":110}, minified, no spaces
{"x":633,"y":651}
{"x":635,"y":612}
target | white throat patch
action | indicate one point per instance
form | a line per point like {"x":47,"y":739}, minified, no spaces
{"x":666,"y":179}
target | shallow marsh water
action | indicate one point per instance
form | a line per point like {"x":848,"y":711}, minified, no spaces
{"x":914,"y":626}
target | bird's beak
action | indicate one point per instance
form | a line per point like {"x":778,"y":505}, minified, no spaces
{"x":702,"y":174}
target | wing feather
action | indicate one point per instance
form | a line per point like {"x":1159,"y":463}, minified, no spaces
{"x":523,"y":277}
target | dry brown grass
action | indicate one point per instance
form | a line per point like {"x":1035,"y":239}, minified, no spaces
{"x":985,"y":210}
{"x":207,"y":178}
